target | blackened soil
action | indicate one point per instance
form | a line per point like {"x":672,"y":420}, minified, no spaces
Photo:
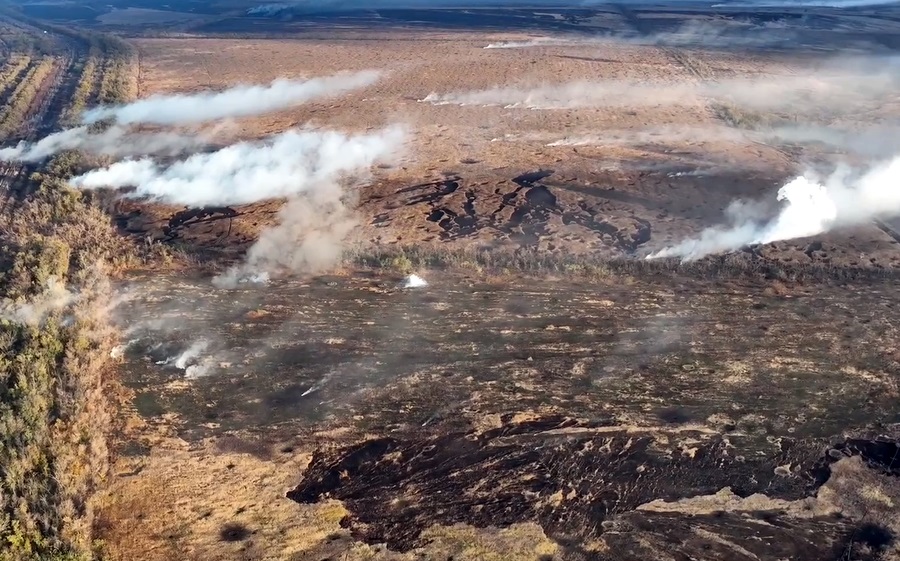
{"x":583,"y":480}
{"x":569,"y":403}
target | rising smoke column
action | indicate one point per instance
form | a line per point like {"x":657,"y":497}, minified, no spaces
{"x":54,"y":298}
{"x":240,"y":101}
{"x":809,"y":208}
{"x":307,"y":167}
{"x":281,"y":166}
{"x":309,"y":237}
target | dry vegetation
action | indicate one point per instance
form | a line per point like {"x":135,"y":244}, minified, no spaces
{"x":407,"y":259}
{"x":479,"y":151}
{"x":20,"y":98}
{"x":12,"y":68}
{"x":55,"y":412}
{"x":104,"y":76}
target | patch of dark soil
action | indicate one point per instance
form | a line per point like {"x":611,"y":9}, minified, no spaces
{"x":190,"y":216}
{"x":874,"y":536}
{"x":529,"y":219}
{"x":567,"y":476}
{"x":233,"y":444}
{"x":234,"y":533}
{"x":674,"y":415}
{"x":881,"y":455}
{"x":532,"y":177}
{"x":638,"y":536}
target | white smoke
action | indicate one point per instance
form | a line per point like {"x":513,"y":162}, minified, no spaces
{"x":120,"y":140}
{"x":118,"y":351}
{"x":839,"y":86}
{"x":809,"y":208}
{"x":35,"y":311}
{"x":282,"y":166}
{"x":413,"y":281}
{"x":190,"y":354}
{"x":723,"y":34}
{"x":548,"y":42}
{"x":240,"y":101}
{"x":192,"y":360}
{"x":572,"y":95}
{"x":268,"y":9}
{"x":115,"y":141}
{"x":309,"y":237}
{"x":875,"y":142}
{"x":652,"y":135}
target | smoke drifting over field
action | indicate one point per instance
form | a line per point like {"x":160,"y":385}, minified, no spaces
{"x":116,"y":141}
{"x":309,"y":237}
{"x":33,"y":312}
{"x":309,"y":167}
{"x":651,"y":135}
{"x":726,"y":34}
{"x":240,"y":101}
{"x":120,"y":140}
{"x":284,"y":165}
{"x":846,"y":198}
{"x":841,"y":86}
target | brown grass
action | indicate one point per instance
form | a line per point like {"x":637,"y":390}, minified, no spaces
{"x":56,"y":386}
{"x":20,"y":98}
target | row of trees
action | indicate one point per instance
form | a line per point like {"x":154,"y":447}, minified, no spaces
{"x":11,"y":71}
{"x":20,"y":99}
{"x":57,"y":248}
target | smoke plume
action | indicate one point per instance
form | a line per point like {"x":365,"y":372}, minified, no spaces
{"x":728,"y":34}
{"x":121,"y":140}
{"x":809,"y":208}
{"x":240,"y":101}
{"x":282,"y":166}
{"x":116,"y":141}
{"x":55,"y":297}
{"x":876,"y":142}
{"x":309,"y":237}
{"x":840,"y":86}
{"x":190,"y":354}
{"x":652,"y":135}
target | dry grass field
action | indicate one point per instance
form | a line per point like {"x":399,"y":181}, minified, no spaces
{"x":654,"y":172}
{"x":483,"y":149}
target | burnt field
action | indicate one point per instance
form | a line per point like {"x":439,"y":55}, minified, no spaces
{"x":567,"y":403}
{"x":550,"y":394}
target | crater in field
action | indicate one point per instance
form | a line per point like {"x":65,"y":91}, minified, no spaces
{"x":234,"y":533}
